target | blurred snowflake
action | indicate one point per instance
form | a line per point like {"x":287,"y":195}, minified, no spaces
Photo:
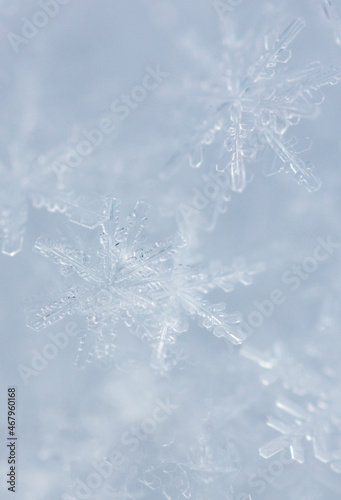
{"x":21,"y":186}
{"x":253,"y":103}
{"x":279,"y":366}
{"x":35,"y":183}
{"x":204,"y":467}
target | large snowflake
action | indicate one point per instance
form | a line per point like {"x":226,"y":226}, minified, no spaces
{"x":124,"y":280}
{"x":255,"y":103}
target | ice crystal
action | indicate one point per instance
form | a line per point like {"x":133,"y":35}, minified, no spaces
{"x":143,"y":286}
{"x":316,"y":421}
{"x":255,"y":104}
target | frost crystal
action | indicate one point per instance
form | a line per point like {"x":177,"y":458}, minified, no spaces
{"x":256,"y":102}
{"x":124,"y":280}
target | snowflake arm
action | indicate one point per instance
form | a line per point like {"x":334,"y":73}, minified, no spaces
{"x":315,"y":422}
{"x":287,"y":156}
{"x":276,"y":52}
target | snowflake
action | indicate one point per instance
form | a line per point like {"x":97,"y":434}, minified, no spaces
{"x":36,"y":183}
{"x":143,"y":286}
{"x":255,"y":102}
{"x":318,"y":422}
